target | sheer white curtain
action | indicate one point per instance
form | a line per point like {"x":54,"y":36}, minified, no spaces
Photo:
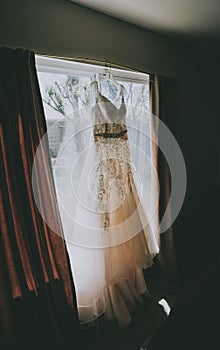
{"x":108,"y":277}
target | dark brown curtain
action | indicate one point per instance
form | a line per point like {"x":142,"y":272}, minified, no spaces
{"x":37,"y":298}
{"x":163,"y":98}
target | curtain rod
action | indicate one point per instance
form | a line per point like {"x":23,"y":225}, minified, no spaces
{"x":54,"y":64}
{"x":103,"y":63}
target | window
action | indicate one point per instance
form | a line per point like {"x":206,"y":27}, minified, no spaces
{"x":67,"y":94}
{"x":69,"y":98}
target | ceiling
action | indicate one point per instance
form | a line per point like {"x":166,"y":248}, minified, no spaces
{"x":197,"y":22}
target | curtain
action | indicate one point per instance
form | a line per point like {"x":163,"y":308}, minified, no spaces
{"x":194,"y":313}
{"x":37,"y":297}
{"x":108,"y":262}
{"x":163,"y":99}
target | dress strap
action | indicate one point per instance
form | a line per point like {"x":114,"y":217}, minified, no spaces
{"x":95,"y":89}
{"x":122,"y":93}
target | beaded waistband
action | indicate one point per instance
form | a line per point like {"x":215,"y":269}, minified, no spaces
{"x":112,"y":135}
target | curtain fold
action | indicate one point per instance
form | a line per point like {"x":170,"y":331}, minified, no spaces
{"x":37,"y":297}
{"x":163,"y":100}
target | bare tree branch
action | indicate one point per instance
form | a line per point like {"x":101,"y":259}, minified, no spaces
{"x":55,"y":108}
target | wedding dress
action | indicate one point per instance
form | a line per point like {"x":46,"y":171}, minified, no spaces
{"x":113,"y":241}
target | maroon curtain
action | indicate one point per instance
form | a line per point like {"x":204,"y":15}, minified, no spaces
{"x":163,"y":275}
{"x":37,"y":298}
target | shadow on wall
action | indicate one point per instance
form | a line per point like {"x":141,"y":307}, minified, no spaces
{"x":200,"y":246}
{"x":192,"y":322}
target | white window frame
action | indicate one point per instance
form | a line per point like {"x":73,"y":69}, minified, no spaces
{"x":68,"y":67}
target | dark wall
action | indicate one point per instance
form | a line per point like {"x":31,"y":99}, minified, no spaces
{"x":61,"y":28}
{"x":197,"y":131}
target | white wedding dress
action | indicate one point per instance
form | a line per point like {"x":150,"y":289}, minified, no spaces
{"x":109,"y":239}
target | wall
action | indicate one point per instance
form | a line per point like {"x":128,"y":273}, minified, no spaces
{"x":61,"y":28}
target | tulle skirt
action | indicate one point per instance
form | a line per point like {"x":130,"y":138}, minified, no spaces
{"x":108,"y":234}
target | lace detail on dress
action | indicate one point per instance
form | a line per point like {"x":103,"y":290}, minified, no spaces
{"x":113,"y":170}
{"x":109,"y":120}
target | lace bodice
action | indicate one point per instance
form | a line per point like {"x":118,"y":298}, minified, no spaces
{"x":109,"y":120}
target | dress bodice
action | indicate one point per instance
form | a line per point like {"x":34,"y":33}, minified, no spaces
{"x":109,"y":121}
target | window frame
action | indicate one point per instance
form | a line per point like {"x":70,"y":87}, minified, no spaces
{"x":69,"y":67}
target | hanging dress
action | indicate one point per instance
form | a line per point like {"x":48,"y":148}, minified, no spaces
{"x":114,"y":242}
